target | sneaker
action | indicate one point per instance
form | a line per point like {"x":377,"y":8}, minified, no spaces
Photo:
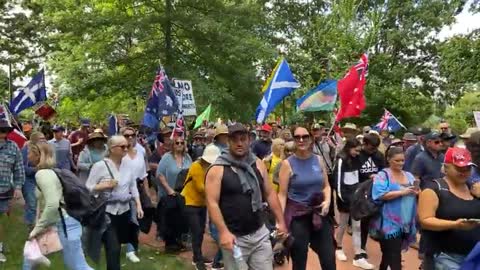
{"x":206,"y":261}
{"x":217,"y":266}
{"x":362,"y":263}
{"x":340,"y":255}
{"x":2,"y":258}
{"x":200,"y":266}
{"x":132,"y":257}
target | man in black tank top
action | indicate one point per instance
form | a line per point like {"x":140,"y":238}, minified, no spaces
{"x":235,"y":187}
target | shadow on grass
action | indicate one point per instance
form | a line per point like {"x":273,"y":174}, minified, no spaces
{"x":13,"y":234}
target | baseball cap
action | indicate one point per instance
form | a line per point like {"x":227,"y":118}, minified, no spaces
{"x":236,"y":128}
{"x":266,"y":127}
{"x":447,"y":136}
{"x":85,"y":122}
{"x":57,"y":128}
{"x":459,"y":157}
{"x":418,"y":131}
{"x":432,"y":136}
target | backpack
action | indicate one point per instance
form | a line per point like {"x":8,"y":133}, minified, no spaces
{"x":181,"y":180}
{"x":362,"y":205}
{"x":79,"y":202}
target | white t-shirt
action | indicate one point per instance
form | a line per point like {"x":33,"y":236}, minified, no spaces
{"x":136,"y":165}
{"x":140,"y":149}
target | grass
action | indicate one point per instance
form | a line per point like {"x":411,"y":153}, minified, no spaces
{"x":14,"y":234}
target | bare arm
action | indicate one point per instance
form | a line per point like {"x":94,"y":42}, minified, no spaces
{"x":164,"y":184}
{"x":427,"y":207}
{"x":213,"y":184}
{"x":270,"y":195}
{"x":284,"y":179}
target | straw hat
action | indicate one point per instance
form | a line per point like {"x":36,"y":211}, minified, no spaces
{"x":211,"y":153}
{"x":409,"y":137}
{"x":221,"y":129}
{"x":469,"y":132}
{"x":96,"y":135}
{"x":350,"y":127}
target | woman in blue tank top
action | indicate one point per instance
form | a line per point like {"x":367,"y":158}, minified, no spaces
{"x":304,"y":195}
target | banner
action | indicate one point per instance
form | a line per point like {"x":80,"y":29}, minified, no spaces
{"x":184,"y":92}
{"x":476,"y":115}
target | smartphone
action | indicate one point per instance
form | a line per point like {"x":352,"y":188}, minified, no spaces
{"x":476,"y":220}
{"x":416,"y":184}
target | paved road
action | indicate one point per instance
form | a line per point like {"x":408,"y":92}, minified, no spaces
{"x":410,"y":260}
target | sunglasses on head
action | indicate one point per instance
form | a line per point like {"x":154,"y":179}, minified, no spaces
{"x":179,"y":143}
{"x":301,"y":137}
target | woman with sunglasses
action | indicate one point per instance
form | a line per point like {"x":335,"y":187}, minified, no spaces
{"x":347,"y":175}
{"x":171,"y":164}
{"x":449,"y":214}
{"x":305,"y":197}
{"x":107,"y":177}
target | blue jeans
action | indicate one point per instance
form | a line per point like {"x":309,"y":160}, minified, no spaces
{"x":28,"y":192}
{"x":448,"y":261}
{"x":73,"y":256}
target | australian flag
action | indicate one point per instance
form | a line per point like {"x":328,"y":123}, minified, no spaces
{"x":29,"y":95}
{"x":389,"y":122}
{"x":161,"y":101}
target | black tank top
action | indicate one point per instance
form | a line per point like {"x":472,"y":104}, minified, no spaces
{"x":451,"y":207}
{"x":236,"y":206}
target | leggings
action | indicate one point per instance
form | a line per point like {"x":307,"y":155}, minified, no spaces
{"x":391,"y":253}
{"x":356,"y":232}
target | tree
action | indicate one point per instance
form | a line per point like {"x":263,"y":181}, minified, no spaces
{"x":460,"y":116}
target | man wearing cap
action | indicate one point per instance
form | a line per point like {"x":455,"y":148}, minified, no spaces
{"x":78,"y":138}
{"x":197,"y":147}
{"x":62,"y":148}
{"x":12,"y":175}
{"x":236,"y":186}
{"x":448,"y":140}
{"x":263,"y":146}
{"x":415,"y":149}
{"x":427,"y":165}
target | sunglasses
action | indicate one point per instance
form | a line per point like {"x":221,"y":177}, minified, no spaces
{"x":301,"y":137}
{"x":437,"y":142}
{"x":180,"y":143}
{"x":122,"y":146}
{"x":129,"y":136}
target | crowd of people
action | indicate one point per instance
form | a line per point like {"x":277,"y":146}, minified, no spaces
{"x":251,"y":186}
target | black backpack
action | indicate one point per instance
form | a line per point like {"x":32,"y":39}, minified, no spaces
{"x":362,"y":205}
{"x":79,"y":201}
{"x":181,"y":180}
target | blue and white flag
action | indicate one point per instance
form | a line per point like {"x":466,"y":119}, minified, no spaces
{"x":161,"y":102}
{"x":389,"y":122}
{"x":29,"y":95}
{"x":280,"y":84}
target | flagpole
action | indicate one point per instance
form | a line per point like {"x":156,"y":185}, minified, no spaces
{"x":10,"y":94}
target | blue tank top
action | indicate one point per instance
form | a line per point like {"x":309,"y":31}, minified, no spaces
{"x":306,"y":180}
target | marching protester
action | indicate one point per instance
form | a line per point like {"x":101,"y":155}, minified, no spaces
{"x":263,"y":146}
{"x":28,"y":189}
{"x":372,"y":161}
{"x":197,"y":147}
{"x":194,"y":194}
{"x":449,"y":214}
{"x":427,"y":164}
{"x":109,"y":179}
{"x":94,"y":151}
{"x":235,"y":186}
{"x":170,"y":204}
{"x":305,"y":197}
{"x":415,"y":149}
{"x":272,"y":161}
{"x":12,"y":175}
{"x":473,"y":146}
{"x":347,"y":175}
{"x":79,"y":138}
{"x":395,"y":226}
{"x":50,"y":194}
{"x":408,"y":140}
{"x":288,"y":150}
{"x":63,"y":150}
{"x":220,"y":139}
{"x":286,"y":135}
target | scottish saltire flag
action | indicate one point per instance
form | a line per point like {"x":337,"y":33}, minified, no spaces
{"x":112,"y":125}
{"x":280,"y":84}
{"x":389,"y":122}
{"x":29,"y":95}
{"x":161,"y":101}
{"x":320,"y":98}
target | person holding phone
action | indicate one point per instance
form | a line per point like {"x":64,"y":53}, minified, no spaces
{"x":447,"y":211}
{"x":395,"y":226}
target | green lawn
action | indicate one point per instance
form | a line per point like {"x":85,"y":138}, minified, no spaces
{"x":14,"y":234}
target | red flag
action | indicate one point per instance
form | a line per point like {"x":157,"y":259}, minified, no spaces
{"x":350,"y":90}
{"x":17,"y":137}
{"x":45,"y":112}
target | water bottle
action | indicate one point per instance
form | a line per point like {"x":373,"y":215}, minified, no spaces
{"x":238,"y":256}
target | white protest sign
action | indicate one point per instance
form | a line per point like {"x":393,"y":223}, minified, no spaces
{"x":476,"y":115}
{"x":184,"y":92}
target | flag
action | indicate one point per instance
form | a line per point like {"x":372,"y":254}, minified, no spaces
{"x":204,"y":116}
{"x":161,"y":101}
{"x":16,"y":135}
{"x":350,"y":90}
{"x":112,"y":125}
{"x":282,"y":83}
{"x":320,"y":98}
{"x":29,"y":95}
{"x":179,"y":128}
{"x":389,"y":122}
{"x":45,"y":112}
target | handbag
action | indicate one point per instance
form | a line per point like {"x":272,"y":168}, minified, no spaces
{"x":49,"y":241}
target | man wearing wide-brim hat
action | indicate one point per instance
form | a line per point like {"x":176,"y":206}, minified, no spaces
{"x":408,"y":140}
{"x":350,"y":130}
{"x":466,"y":136}
{"x":221,"y":137}
{"x":12,"y":174}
